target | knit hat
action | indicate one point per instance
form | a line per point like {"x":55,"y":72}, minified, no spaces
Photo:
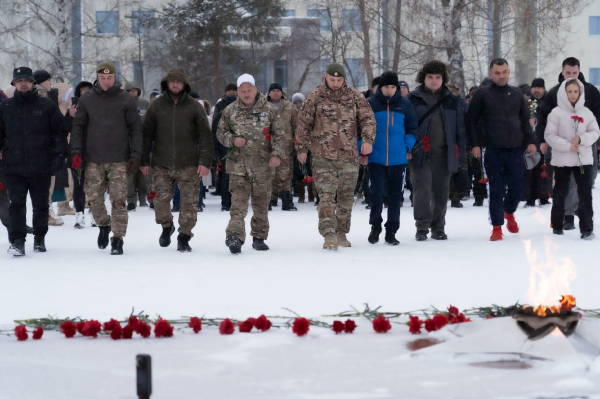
{"x":375,"y":82}
{"x":388,"y":78}
{"x":246,"y":78}
{"x":22,"y":73}
{"x":538,"y":82}
{"x":106,"y":67}
{"x":194,"y":95}
{"x":230,"y":86}
{"x":336,"y":70}
{"x":40,"y":76}
{"x":275,"y":86}
{"x":403,"y":83}
{"x":297,"y":97}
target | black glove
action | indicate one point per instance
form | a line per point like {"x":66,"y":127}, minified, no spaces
{"x":133,"y":165}
{"x":58,"y":163}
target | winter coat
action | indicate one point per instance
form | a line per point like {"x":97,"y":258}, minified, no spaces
{"x":592,"y":102}
{"x":253,"y":125}
{"x":452,"y":119}
{"x":32,"y":134}
{"x":220,"y":149}
{"x":107,"y":126}
{"x":397,"y":128}
{"x":329,"y":120}
{"x":179,"y":132}
{"x":560,"y":130}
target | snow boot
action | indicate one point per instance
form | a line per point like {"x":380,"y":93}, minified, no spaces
{"x":103,"y":237}
{"x":374,"y":236}
{"x":286,"y":202}
{"x":587,"y":235}
{"x":343,"y":241}
{"x":17,"y":248}
{"x":330,"y":242}
{"x":131,"y":207}
{"x":511,"y":223}
{"x":79,"y":220}
{"x":390,"y":239}
{"x":569,"y":222}
{"x":116,"y":246}
{"x":259,"y":244}
{"x":183,"y":243}
{"x":165,"y":237}
{"x":234,"y":244}
{"x":38,"y":244}
{"x":421,"y":235}
{"x":64,"y":209}
{"x":439,"y":235}
{"x":496,"y":234}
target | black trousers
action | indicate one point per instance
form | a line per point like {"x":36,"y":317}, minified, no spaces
{"x":394,"y":177}
{"x":537,"y":187}
{"x":37,"y":187}
{"x":78,"y":194}
{"x":584,"y":190}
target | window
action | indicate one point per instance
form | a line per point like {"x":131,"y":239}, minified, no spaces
{"x":356,"y":75}
{"x":280,"y":72}
{"x":595,"y":76}
{"x":321,"y":13}
{"x":138,"y":72}
{"x":139,"y":19}
{"x":351,"y":20}
{"x":289,"y":13}
{"x":107,"y":22}
{"x":594,"y":26}
{"x":324,"y":64}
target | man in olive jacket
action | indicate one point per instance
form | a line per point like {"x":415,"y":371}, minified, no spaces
{"x":108,"y":131}
{"x":177,"y":127}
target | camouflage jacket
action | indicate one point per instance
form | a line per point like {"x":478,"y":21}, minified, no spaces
{"x":289,"y":119}
{"x":329,"y":120}
{"x":253,"y":125}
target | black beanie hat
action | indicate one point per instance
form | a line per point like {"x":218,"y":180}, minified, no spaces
{"x":538,"y":82}
{"x":403,"y":83}
{"x":41,"y":76}
{"x":275,"y":86}
{"x":375,"y":82}
{"x":388,"y":78}
{"x":230,"y":86}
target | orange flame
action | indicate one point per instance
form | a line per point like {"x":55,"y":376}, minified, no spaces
{"x":567,"y":302}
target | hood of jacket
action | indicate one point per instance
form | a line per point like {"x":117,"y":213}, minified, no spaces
{"x":563,"y":101}
{"x":176,"y":73}
{"x":80,"y":86}
{"x":581,"y":78}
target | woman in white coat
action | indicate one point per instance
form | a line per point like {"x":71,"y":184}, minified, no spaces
{"x":571,"y":131}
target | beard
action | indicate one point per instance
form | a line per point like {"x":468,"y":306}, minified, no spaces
{"x":175,"y":93}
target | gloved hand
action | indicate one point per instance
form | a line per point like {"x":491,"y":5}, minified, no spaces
{"x":133,"y":165}
{"x":58,"y":163}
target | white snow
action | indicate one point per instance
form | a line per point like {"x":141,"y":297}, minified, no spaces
{"x":74,"y":278}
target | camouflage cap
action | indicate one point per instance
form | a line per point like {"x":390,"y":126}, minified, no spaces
{"x":106,"y":67}
{"x":336,"y":70}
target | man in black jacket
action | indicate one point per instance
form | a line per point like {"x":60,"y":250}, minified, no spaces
{"x":506,"y":131}
{"x":33,"y":141}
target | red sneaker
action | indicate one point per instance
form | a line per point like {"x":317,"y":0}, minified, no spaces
{"x":511,"y":223}
{"x":496,"y":234}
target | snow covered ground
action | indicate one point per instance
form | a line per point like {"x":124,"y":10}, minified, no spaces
{"x":74,"y":278}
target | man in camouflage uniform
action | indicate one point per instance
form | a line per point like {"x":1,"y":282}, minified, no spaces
{"x":176,"y":127}
{"x":252,"y":129}
{"x":108,"y":131}
{"x":327,"y":126}
{"x":282,"y":179}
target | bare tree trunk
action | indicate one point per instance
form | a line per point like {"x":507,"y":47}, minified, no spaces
{"x":217,"y":64}
{"x":366,"y":41}
{"x":397,"y":43}
{"x":62,"y":39}
{"x":452,"y":26}
{"x":496,"y":28}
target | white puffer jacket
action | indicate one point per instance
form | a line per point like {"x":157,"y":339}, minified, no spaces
{"x":560,"y":130}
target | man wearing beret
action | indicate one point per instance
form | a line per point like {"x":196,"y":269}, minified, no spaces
{"x":107,"y":129}
{"x":327,"y":126}
{"x":33,"y":142}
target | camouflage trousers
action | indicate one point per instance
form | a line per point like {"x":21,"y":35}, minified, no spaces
{"x":112,"y":176}
{"x":335,"y":178}
{"x":258,"y":189}
{"x":282,"y":178}
{"x":188,"y":182}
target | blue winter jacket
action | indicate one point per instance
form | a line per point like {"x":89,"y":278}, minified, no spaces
{"x":397,"y":127}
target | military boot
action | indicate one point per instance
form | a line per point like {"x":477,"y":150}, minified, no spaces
{"x":103,"y":237}
{"x":343,"y":241}
{"x":38,"y":244}
{"x":183,"y":243}
{"x":330,"y":242}
{"x":165,"y":237}
{"x":286,"y":202}
{"x":234,"y":243}
{"x":116,"y":244}
{"x":17,"y":247}
{"x":259,"y":244}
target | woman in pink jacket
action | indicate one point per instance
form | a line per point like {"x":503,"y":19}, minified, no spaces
{"x":571,"y":131}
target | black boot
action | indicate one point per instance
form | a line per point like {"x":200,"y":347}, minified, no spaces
{"x":569,"y":222}
{"x":439,"y":235}
{"x":478,"y":202}
{"x":17,"y":248}
{"x":165,"y":237}
{"x":529,"y":204}
{"x":103,"y":237}
{"x":587,"y":235}
{"x":234,"y":243}
{"x":286,"y":202}
{"x":225,"y":208}
{"x":183,"y":243}
{"x":390,"y":239}
{"x":29,"y":229}
{"x":131,"y":207}
{"x":274,"y":201}
{"x":558,"y":232}
{"x":259,"y":244}
{"x":116,"y":245}
{"x":175,"y":208}
{"x":38,"y":244}
{"x":374,"y":236}
{"x":421,"y":235}
{"x":456,"y":204}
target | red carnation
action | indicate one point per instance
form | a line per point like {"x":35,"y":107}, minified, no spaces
{"x":427,"y":147}
{"x":414,"y":326}
{"x":349,"y":326}
{"x":37,"y":333}
{"x":162,"y":328}
{"x":91,"y":328}
{"x":218,"y":169}
{"x":430,"y":325}
{"x":460,"y":318}
{"x":544,"y":175}
{"x":1,"y":186}
{"x":76,"y":162}
{"x":381,"y":324}
{"x":220,"y":163}
{"x":544,"y":167}
{"x":116,"y":332}
{"x":484,"y":181}
{"x":246,"y":326}
{"x":440,"y":321}
{"x":365,"y":155}
{"x":143,"y":329}
{"x":111,"y":325}
{"x":338,"y":327}
{"x":226,"y":327}
{"x":265,"y":130}
{"x":262,"y":323}
{"x":195,"y":324}
{"x":133,"y":322}
{"x":80,"y":327}
{"x":425,"y":140}
{"x":575,"y":117}
{"x":68,"y":328}
{"x":453,"y":312}
{"x":152,"y":195}
{"x":127,"y":332}
{"x":301,"y":326}
{"x":268,"y":137}
{"x":21,"y":333}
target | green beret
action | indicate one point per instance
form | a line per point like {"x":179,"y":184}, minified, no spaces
{"x":106,"y":67}
{"x":336,"y":70}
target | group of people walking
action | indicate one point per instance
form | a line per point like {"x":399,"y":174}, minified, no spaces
{"x":257,"y":142}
